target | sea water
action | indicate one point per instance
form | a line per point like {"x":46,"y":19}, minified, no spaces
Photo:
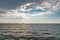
{"x":29,"y":31}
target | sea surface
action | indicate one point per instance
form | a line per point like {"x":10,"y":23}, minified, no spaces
{"x":42,"y":31}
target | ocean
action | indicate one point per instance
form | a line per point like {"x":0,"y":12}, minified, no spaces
{"x":32,"y":31}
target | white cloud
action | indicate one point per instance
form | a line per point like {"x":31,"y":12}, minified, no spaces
{"x":49,"y":6}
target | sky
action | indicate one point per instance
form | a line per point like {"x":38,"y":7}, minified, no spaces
{"x":29,"y":11}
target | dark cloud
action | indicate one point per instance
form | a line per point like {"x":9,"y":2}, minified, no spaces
{"x":12,"y":4}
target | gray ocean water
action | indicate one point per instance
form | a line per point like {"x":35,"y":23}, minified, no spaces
{"x":29,"y":31}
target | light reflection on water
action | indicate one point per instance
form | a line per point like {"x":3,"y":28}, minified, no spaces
{"x":29,"y":31}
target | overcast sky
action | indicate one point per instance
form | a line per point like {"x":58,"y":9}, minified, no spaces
{"x":29,"y":11}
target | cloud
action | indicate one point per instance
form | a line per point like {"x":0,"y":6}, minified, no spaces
{"x":30,"y":10}
{"x":12,"y":4}
{"x":2,"y":11}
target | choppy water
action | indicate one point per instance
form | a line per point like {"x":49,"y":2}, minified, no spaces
{"x":29,"y":31}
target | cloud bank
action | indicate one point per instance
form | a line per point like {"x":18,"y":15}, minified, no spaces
{"x":31,"y":10}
